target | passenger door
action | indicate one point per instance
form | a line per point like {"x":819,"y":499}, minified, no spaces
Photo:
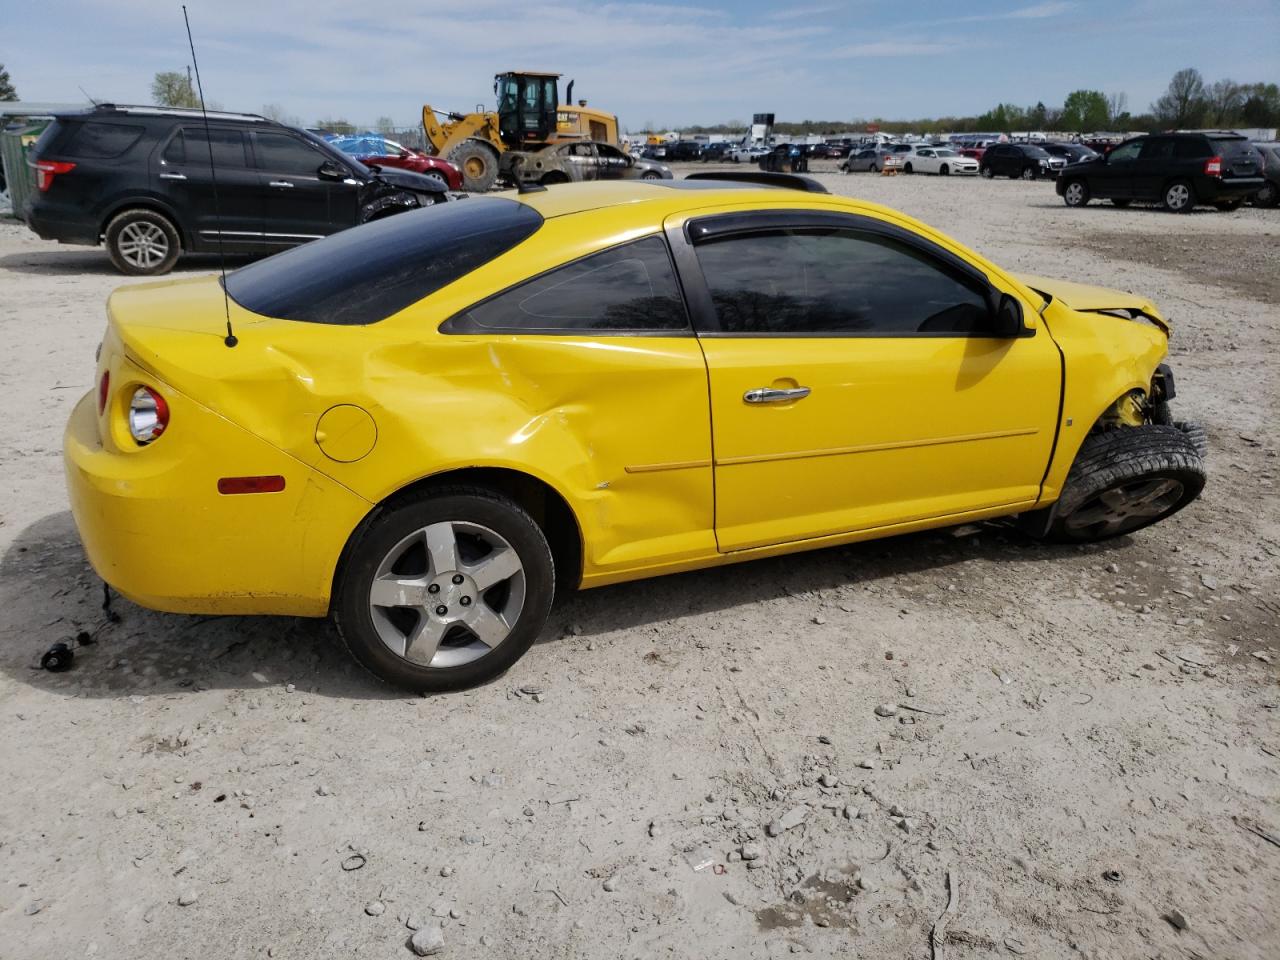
{"x":232,"y":211}
{"x":613,"y":164}
{"x":300,"y":204}
{"x":1152,"y":168}
{"x":1115,"y":177}
{"x":581,"y":160}
{"x":856,"y":378}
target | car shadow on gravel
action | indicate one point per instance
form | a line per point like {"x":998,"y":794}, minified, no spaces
{"x":49,"y":593}
{"x":77,"y":261}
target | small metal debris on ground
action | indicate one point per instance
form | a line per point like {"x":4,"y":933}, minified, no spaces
{"x":700,"y":858}
{"x":354,"y":862}
{"x":1112,"y":876}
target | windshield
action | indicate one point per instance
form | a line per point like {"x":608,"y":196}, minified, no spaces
{"x":1037,"y":152}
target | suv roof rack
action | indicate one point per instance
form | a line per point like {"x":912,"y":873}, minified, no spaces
{"x":790,"y":181}
{"x":147,"y":109}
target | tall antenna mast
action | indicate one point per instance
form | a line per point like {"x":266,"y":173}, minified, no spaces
{"x":230,"y":339}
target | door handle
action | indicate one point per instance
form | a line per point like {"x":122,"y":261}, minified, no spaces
{"x":772,"y":395}
{"x":173,"y":176}
{"x":280,"y":183}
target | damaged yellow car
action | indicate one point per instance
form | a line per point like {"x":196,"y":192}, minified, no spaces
{"x":426,"y":425}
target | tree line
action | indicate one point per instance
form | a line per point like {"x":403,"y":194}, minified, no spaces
{"x":1188,"y":102}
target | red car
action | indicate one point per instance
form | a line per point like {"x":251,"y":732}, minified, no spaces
{"x":387,"y":153}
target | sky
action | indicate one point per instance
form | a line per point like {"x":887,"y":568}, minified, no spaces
{"x":653,"y":64}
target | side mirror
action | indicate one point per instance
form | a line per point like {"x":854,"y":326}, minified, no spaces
{"x":332,"y":170}
{"x":1008,"y":317}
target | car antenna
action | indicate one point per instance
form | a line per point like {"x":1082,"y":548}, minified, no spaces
{"x":86,"y":95}
{"x":230,"y":339}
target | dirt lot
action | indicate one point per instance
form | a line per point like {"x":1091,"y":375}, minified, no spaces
{"x":1086,"y":740}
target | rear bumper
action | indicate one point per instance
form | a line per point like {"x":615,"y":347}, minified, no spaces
{"x":47,"y":225}
{"x":156,"y":529}
{"x":1211,"y":189}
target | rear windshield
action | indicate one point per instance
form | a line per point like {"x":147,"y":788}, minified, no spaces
{"x":367,"y":273}
{"x":1231,"y":147}
{"x":95,"y":140}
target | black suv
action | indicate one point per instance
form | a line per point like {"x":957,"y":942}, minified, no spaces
{"x":139,"y":179}
{"x":1023,"y":160}
{"x":684,"y":150}
{"x":1177,"y":170}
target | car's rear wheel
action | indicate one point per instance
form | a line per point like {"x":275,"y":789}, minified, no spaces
{"x":1075,"y":193}
{"x":1121,"y":203}
{"x":1126,"y":479}
{"x":142,"y":243}
{"x":445,"y":591}
{"x":1178,"y":197}
{"x":908,"y":169}
{"x":651,"y":175}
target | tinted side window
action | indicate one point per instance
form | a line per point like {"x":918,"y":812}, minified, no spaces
{"x":1125,"y":152}
{"x":628,"y":288}
{"x":281,"y":153}
{"x":1157,"y":148}
{"x":102,"y":141}
{"x":190,"y":147}
{"x":827,"y":281}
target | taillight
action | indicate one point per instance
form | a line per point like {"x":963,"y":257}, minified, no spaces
{"x":148,"y":415}
{"x":46,"y":170}
{"x":104,"y":387}
{"x":1213,"y":167}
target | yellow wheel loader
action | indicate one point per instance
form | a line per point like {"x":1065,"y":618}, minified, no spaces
{"x":529,"y":116}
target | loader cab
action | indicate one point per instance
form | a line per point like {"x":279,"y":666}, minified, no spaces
{"x":526,"y":107}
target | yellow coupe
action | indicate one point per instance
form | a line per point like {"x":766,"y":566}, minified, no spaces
{"x":426,"y":425}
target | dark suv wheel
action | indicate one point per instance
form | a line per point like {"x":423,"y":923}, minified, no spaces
{"x":1075,"y":193}
{"x":142,"y":243}
{"x":1178,"y":197}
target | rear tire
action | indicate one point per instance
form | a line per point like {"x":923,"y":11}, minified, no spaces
{"x":1178,"y":197}
{"x":1075,"y":193}
{"x":478,"y":163}
{"x":406,"y":640}
{"x":1126,"y":479}
{"x":986,"y":172}
{"x":142,"y":243}
{"x":651,"y":175}
{"x":907,"y":169}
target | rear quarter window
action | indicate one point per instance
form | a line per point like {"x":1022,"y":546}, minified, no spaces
{"x":97,"y":140}
{"x":1191,"y":150}
{"x":365,"y":274}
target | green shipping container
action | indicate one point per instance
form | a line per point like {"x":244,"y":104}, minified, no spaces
{"x":16,"y":142}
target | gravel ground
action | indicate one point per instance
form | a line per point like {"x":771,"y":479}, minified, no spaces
{"x":1085,"y":740}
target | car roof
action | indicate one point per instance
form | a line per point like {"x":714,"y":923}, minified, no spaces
{"x":662,"y":198}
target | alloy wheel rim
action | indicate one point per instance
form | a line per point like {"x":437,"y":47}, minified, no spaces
{"x":1126,"y":507}
{"x":143,"y":244}
{"x":447,"y":594}
{"x":1178,"y":196}
{"x":1075,"y":192}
